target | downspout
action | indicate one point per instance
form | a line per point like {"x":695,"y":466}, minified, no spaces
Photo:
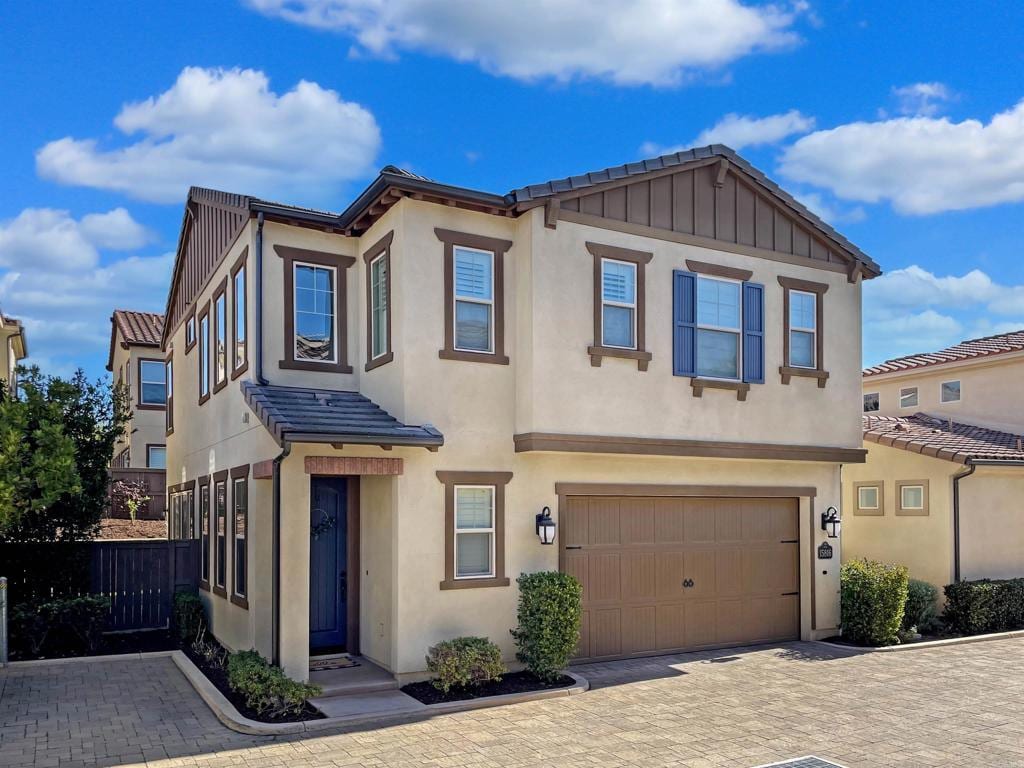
{"x":276,"y":547}
{"x":258,"y":340}
{"x":971,"y":468}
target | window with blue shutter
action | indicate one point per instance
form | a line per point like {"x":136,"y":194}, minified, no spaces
{"x":684,"y":323}
{"x":753,"y":333}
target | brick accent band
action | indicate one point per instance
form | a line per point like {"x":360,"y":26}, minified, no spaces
{"x":352,"y":465}
{"x":263,"y":470}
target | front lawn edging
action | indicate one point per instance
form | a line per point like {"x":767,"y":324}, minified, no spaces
{"x":1014,"y":634}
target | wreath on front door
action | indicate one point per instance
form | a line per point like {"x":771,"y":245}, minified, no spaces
{"x":326,"y":524}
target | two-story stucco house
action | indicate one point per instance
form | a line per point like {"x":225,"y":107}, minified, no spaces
{"x":13,"y":348}
{"x":137,"y":364}
{"x":367,"y":411}
{"x":941,"y":489}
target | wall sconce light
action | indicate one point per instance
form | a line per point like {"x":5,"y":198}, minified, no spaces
{"x":830,"y":522}
{"x":545,"y":527}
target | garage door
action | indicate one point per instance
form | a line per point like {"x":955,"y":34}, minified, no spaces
{"x":669,"y":574}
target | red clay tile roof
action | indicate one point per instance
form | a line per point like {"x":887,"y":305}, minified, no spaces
{"x":965,"y":350}
{"x":144,"y":328}
{"x":942,"y":438}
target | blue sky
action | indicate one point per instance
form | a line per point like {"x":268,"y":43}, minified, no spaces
{"x":902,"y":126}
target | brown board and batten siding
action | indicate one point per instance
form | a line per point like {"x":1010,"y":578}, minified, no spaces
{"x":703,"y":202}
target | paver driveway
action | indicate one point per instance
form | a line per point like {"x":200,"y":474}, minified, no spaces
{"x":955,"y":706}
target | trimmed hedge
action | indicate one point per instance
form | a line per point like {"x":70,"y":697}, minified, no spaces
{"x":919,"y":612}
{"x":65,"y":627}
{"x":463,"y":662}
{"x":189,"y":618}
{"x":549,"y":621}
{"x":873,"y":596}
{"x":266,"y":688}
{"x":977,"y":607}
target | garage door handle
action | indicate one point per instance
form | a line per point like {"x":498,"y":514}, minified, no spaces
{"x":574,"y":546}
{"x":687,"y":583}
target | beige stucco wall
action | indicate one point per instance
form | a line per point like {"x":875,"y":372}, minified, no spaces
{"x":990,"y":392}
{"x":992,"y":524}
{"x":146,"y":426}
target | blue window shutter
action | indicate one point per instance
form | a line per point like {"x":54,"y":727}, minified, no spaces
{"x":684,"y":323}
{"x":753,"y":333}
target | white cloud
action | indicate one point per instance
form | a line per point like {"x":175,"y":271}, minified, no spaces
{"x":41,"y":238}
{"x":659,"y":42}
{"x":922,"y":165}
{"x":922,"y":98}
{"x":738,"y":131}
{"x":224,"y":129}
{"x":829,"y":212}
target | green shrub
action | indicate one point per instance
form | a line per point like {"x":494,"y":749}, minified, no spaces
{"x":977,"y":607}
{"x":189,"y":617}
{"x":873,"y":597}
{"x":463,"y":662}
{"x":84,"y":618}
{"x":57,"y":628}
{"x":29,"y":629}
{"x":919,"y":611}
{"x":549,"y":621}
{"x":265,"y":687}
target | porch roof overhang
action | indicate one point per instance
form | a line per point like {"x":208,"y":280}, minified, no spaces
{"x":336,"y":417}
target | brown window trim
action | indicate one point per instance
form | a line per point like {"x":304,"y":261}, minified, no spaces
{"x":139,"y":405}
{"x":786,"y":370}
{"x":203,"y":481}
{"x":195,"y":330}
{"x":169,"y":389}
{"x":498,"y":247}
{"x":220,"y":291}
{"x":381,"y":248}
{"x":926,"y":501}
{"x":597,"y":350}
{"x":221,"y":590}
{"x":240,"y":473}
{"x":204,"y":313}
{"x":858,"y":510}
{"x":741,"y":388}
{"x":241,"y":263}
{"x":154,"y":445}
{"x":451,"y":479}
{"x":718,"y":270}
{"x":341,"y":264}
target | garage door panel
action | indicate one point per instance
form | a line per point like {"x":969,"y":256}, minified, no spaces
{"x":699,"y":522}
{"x":759,"y":565}
{"x":701,"y":624}
{"x":669,"y":521}
{"x":787,"y":570}
{"x":787,"y":524}
{"x":728,"y":519}
{"x":639,"y":576}
{"x":787,"y":617}
{"x":639,"y":629}
{"x":760,"y":618}
{"x":729,"y":572}
{"x":606,"y":632}
{"x":604,"y":522}
{"x":576,"y":564}
{"x":759,"y":525}
{"x":605,"y":577}
{"x":576,"y":523}
{"x":583,"y":646}
{"x":670,"y":626}
{"x":671,"y":570}
{"x":701,"y":568}
{"x":636,"y":521}
{"x":730,"y":621}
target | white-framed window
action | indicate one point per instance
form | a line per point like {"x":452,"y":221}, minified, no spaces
{"x":220,"y":342}
{"x":803,"y":329}
{"x":618,"y":304}
{"x":871,"y":402}
{"x":908,"y":397}
{"x":474,"y":300}
{"x":315,"y":333}
{"x":867,"y":497}
{"x":152,"y":383}
{"x":239,"y":352}
{"x":474,"y":531}
{"x":912,"y":496}
{"x":949,"y":391}
{"x":156,"y":457}
{"x":204,"y":355}
{"x":190,"y":331}
{"x":379,"y":306}
{"x":240,"y":498}
{"x":719,"y":328}
{"x":169,"y":382}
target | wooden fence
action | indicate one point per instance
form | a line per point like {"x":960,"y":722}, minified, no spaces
{"x":155,"y":483}
{"x":140,"y":577}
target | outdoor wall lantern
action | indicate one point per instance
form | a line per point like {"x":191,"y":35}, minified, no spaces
{"x":830,"y":522}
{"x":545,"y":527}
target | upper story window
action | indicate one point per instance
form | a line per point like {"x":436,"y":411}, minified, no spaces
{"x":618,"y":304}
{"x":871,"y":402}
{"x":204,"y":355}
{"x":156,"y":456}
{"x":239,"y":325}
{"x":220,"y":340}
{"x":474,"y":300}
{"x":190,"y":333}
{"x":378,"y":302}
{"x":169,"y":383}
{"x":718,"y":328}
{"x":152,"y":383}
{"x":950,"y":392}
{"x":315,"y":333}
{"x":802,"y":328}
{"x":908,"y":397}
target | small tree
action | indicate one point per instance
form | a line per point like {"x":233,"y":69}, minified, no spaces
{"x":549,"y":621}
{"x":56,"y":440}
{"x":132,"y":494}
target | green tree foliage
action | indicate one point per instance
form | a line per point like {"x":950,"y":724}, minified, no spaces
{"x":56,"y":440}
{"x":873,"y":596}
{"x":549,"y":621}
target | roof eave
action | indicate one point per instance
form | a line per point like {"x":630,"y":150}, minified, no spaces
{"x":429,"y":442}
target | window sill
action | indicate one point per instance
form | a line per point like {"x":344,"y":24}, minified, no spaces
{"x":868,"y":512}
{"x":304,"y":365}
{"x":241,"y":602}
{"x":475,"y":583}
{"x":239,"y":370}
{"x":377,"y":362}
{"x":218,"y":386}
{"x":473,"y":357}
{"x":597,"y":353}
{"x":788,"y":372}
{"x":204,"y":398}
{"x":911,"y":512}
{"x":741,"y":388}
{"x":150,"y":407}
{"x":220,"y":591}
{"x":204,"y":585}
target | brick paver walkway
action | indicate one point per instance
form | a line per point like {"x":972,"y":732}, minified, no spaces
{"x":955,"y":706}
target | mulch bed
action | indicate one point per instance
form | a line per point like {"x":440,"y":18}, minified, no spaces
{"x":512,"y":682}
{"x":117,"y":529}
{"x":840,"y":640}
{"x":219,"y":677}
{"x":121,"y":642}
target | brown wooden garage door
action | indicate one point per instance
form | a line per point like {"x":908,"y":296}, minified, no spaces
{"x":667,"y":574}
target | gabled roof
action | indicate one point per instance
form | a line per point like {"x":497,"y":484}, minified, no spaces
{"x":16,"y":330}
{"x":943,"y":438}
{"x":299,"y":414}
{"x":965,"y":350}
{"x":142,"y":329}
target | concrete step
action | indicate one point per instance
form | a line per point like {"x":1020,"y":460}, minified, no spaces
{"x":353,"y":681}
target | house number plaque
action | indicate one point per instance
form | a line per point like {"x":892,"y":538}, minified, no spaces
{"x":825,"y":551}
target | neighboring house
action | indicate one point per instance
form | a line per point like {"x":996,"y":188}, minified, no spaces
{"x":137,"y":364}
{"x":15,"y":349}
{"x":367,"y":411}
{"x":942,"y":486}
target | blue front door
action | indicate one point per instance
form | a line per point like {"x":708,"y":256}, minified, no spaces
{"x":328,"y":561}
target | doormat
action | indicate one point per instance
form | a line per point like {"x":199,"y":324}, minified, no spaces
{"x":810,"y":761}
{"x":323,"y":663}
